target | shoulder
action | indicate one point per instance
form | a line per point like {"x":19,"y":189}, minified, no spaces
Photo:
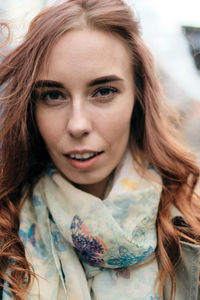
{"x":186,"y":271}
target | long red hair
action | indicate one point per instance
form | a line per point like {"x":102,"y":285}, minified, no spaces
{"x":153,"y":136}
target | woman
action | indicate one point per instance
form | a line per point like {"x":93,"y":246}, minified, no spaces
{"x":97,"y":192}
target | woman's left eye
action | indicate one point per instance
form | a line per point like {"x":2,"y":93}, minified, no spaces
{"x":105,"y":92}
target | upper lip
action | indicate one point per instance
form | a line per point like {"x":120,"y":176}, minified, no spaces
{"x":82,"y":151}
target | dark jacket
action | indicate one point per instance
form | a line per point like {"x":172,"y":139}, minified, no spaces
{"x":187,"y":274}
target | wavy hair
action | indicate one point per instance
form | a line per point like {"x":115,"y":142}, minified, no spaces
{"x":153,"y":136}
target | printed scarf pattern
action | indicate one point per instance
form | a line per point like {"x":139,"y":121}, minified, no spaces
{"x":84,"y":248}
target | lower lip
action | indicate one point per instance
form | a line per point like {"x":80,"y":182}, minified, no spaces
{"x":84,"y":165}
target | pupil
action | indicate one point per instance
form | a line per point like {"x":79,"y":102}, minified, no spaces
{"x":105,"y":91}
{"x":54,"y":95}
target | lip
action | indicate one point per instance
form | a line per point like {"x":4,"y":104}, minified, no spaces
{"x":83,"y":165}
{"x":81,"y":151}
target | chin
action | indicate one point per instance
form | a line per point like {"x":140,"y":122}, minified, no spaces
{"x":87,"y":181}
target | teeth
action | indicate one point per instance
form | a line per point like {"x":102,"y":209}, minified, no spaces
{"x":78,"y":156}
{"x":82,"y":156}
{"x":86,"y":155}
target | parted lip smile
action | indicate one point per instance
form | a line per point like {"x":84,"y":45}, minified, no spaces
{"x":82,"y":155}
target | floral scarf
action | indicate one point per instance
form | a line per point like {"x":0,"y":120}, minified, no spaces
{"x":84,"y":248}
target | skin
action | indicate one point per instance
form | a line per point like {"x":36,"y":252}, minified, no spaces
{"x":85,"y":115}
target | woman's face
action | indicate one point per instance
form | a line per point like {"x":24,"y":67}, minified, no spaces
{"x":86,"y":98}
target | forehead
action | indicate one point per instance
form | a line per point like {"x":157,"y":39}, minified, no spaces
{"x":84,"y":51}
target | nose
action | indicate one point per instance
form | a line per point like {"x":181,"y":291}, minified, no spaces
{"x":79,"y":123}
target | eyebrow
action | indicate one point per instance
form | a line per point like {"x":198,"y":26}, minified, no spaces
{"x":48,"y":83}
{"x":97,"y":81}
{"x":105,"y":79}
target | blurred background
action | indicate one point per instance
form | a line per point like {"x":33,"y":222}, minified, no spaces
{"x":170,"y":28}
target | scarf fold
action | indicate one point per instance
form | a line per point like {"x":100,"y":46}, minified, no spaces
{"x":84,"y":248}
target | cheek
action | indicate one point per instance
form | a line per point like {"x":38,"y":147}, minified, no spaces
{"x":115,"y":127}
{"x":48,"y":125}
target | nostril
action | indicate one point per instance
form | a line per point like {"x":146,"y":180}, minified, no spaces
{"x":79,"y":125}
{"x":78,"y":134}
{"x":79,"y":130}
{"x":85,"y":133}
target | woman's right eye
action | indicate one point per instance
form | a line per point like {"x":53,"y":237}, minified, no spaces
{"x":52,"y":96}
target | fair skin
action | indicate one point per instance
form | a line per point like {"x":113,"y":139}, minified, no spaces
{"x":85,"y":108}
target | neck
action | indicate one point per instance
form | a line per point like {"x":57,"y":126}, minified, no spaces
{"x":96,"y":189}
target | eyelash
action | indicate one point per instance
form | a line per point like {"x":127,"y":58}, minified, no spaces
{"x":111,"y":91}
{"x":44,"y":95}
